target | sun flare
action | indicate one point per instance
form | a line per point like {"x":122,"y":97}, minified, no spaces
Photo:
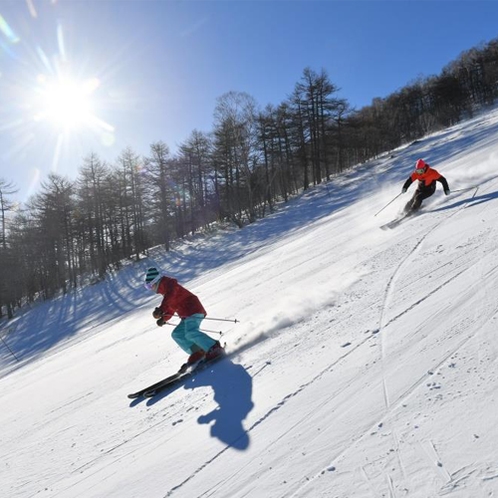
{"x":65,"y":102}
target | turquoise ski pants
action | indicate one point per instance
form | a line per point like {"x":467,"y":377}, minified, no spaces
{"x":188,"y":336}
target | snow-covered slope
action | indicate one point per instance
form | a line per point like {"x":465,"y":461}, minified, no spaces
{"x":364,"y":364}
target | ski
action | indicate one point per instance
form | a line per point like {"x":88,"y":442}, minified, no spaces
{"x":150,"y":393}
{"x":180,"y":376}
{"x":394,"y":223}
{"x":163,"y":382}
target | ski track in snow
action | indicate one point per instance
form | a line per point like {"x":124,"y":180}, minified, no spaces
{"x":271,"y":412}
{"x":383,"y":323}
{"x":88,"y":466}
{"x":386,"y":417}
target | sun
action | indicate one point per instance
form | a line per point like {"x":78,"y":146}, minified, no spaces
{"x":65,"y":102}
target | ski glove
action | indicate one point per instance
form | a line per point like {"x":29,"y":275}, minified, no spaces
{"x":447,"y":191}
{"x":403,"y":190}
{"x":157,"y":313}
{"x":160,"y":322}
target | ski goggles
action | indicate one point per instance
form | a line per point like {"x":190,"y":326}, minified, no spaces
{"x":420,"y":171}
{"x":152,"y":285}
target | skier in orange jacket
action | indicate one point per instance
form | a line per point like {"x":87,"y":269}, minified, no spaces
{"x":427,"y":178}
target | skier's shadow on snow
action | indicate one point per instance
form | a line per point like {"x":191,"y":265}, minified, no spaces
{"x":473,"y":201}
{"x":232,"y":387}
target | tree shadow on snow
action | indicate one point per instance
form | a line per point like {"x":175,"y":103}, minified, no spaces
{"x":232,"y":387}
{"x":41,"y":326}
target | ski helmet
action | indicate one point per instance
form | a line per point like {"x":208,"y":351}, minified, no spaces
{"x":420,"y":166}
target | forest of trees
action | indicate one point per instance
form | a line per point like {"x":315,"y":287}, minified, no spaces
{"x":253,"y":158}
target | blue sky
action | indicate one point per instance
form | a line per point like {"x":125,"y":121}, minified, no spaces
{"x":153,"y":70}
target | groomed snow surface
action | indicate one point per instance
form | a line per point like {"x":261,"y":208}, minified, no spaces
{"x":365,"y":362}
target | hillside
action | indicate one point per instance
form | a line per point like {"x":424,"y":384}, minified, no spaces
{"x":364,"y":364}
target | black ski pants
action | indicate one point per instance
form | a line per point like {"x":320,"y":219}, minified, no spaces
{"x":419,"y":195}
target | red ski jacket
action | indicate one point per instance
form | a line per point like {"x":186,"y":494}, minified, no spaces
{"x":178,"y":300}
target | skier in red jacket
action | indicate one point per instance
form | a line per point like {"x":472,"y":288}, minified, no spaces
{"x":427,"y":178}
{"x":187,"y":334}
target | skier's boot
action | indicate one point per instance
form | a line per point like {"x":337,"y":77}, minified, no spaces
{"x":214,"y":351}
{"x":193,"y":360}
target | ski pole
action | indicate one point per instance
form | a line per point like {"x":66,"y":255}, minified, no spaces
{"x":233,"y":320}
{"x":218,"y":332}
{"x":10,"y":350}
{"x":459,"y":190}
{"x":390,"y":202}
{"x":202,"y":330}
{"x":468,"y":188}
{"x":463,"y":189}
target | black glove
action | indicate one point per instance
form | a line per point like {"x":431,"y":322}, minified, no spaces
{"x":157,"y":313}
{"x":447,"y":191}
{"x":160,"y":322}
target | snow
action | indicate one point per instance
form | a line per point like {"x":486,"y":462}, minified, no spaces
{"x":364,"y":364}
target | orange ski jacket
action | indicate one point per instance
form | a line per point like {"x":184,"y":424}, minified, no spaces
{"x":429,"y":176}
